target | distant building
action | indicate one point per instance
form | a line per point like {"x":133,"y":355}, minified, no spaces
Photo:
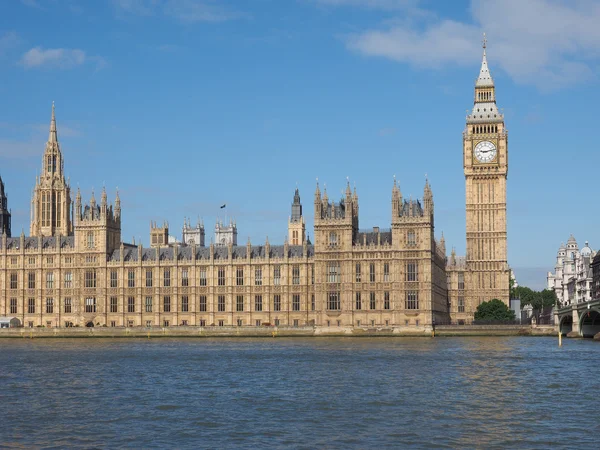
{"x":225,"y":234}
{"x":572,"y":277}
{"x":4,"y":212}
{"x":192,"y":235}
{"x":596,"y":277}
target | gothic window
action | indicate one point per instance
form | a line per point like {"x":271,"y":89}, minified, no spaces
{"x":312,"y":302}
{"x":90,"y":305}
{"x":13,"y":280}
{"x":90,"y":239}
{"x":203,"y":276}
{"x":277,"y":302}
{"x":358,"y":272}
{"x":90,"y":278}
{"x":333,"y":301}
{"x":166,"y":303}
{"x":386,"y":272}
{"x":131,"y":278}
{"x":68,"y":305}
{"x":296,"y":302}
{"x":31,"y":306}
{"x":239,"y":276}
{"x":221,"y":276}
{"x":333,"y":238}
{"x":312,"y":274}
{"x":461,"y":304}
{"x":294,"y":237}
{"x":258,"y":276}
{"x":277,"y":275}
{"x":203,"y":303}
{"x":461,"y":280}
{"x":358,"y":301}
{"x":49,"y":164}
{"x":185,"y":304}
{"x":295,"y":274}
{"x":49,"y":305}
{"x":114,"y":280}
{"x":411,"y":238}
{"x":221,"y":303}
{"x":386,"y":300}
{"x":148,"y":277}
{"x":50,"y":280}
{"x":333,"y":272}
{"x":185,"y":281}
{"x":13,"y":306}
{"x":372,"y":273}
{"x":31,"y":280}
{"x":148,"y":304}
{"x":113,"y":305}
{"x":167,"y":278}
{"x":68,"y":280}
{"x":412,"y":271}
{"x":372,"y":300}
{"x":258,"y":303}
{"x":58,"y":209}
{"x":239,"y":303}
{"x":412,"y":300}
{"x":130,"y":304}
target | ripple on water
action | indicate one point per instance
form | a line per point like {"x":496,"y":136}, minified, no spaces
{"x":301,"y":393}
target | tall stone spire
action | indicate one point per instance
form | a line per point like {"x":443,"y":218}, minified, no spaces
{"x":53,"y":137}
{"x":51,"y":205}
{"x":485,"y":77}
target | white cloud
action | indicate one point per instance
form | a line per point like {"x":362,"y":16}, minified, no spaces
{"x":546,"y":43}
{"x":61,"y":58}
{"x":187,"y":11}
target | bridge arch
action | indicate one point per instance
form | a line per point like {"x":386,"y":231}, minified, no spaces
{"x":566,"y":325}
{"x":589,"y":323}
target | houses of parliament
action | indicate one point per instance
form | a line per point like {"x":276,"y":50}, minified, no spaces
{"x":75,"y":270}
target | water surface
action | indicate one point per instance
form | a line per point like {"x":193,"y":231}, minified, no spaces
{"x":476,"y":392}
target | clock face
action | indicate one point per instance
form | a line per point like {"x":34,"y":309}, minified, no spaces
{"x":485,"y":152}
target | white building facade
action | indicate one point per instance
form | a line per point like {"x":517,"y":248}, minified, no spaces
{"x":572,"y":277}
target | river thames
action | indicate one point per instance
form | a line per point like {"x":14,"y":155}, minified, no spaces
{"x":476,"y":392}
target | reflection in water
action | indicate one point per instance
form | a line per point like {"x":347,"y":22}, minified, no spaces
{"x":333,"y":392}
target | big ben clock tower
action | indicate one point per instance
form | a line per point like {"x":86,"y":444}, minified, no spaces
{"x":485,"y":161}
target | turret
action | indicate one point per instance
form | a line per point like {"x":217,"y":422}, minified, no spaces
{"x":118,"y":207}
{"x":296,"y":226}
{"x":427,"y":198}
{"x":103,"y":202}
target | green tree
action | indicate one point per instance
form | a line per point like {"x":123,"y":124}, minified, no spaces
{"x":537,"y":299}
{"x":548,"y":298}
{"x":494,"y":311}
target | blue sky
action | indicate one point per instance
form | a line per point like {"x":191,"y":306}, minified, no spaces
{"x":187,"y":104}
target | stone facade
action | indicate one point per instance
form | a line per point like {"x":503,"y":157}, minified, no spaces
{"x":485,"y":160}
{"x":572,"y":280}
{"x":74,"y":269}
{"x":79,"y":272}
{"x":596,"y":277}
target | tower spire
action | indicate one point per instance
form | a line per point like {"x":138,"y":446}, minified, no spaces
{"x":485,"y":77}
{"x":53,"y":136}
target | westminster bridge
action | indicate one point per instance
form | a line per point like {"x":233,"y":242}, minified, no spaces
{"x":580,"y":319}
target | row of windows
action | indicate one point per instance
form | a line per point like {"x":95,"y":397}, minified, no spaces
{"x":49,"y":305}
{"x":411,"y":272}
{"x":333,"y":276}
{"x":90,"y":278}
{"x":333,"y":303}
